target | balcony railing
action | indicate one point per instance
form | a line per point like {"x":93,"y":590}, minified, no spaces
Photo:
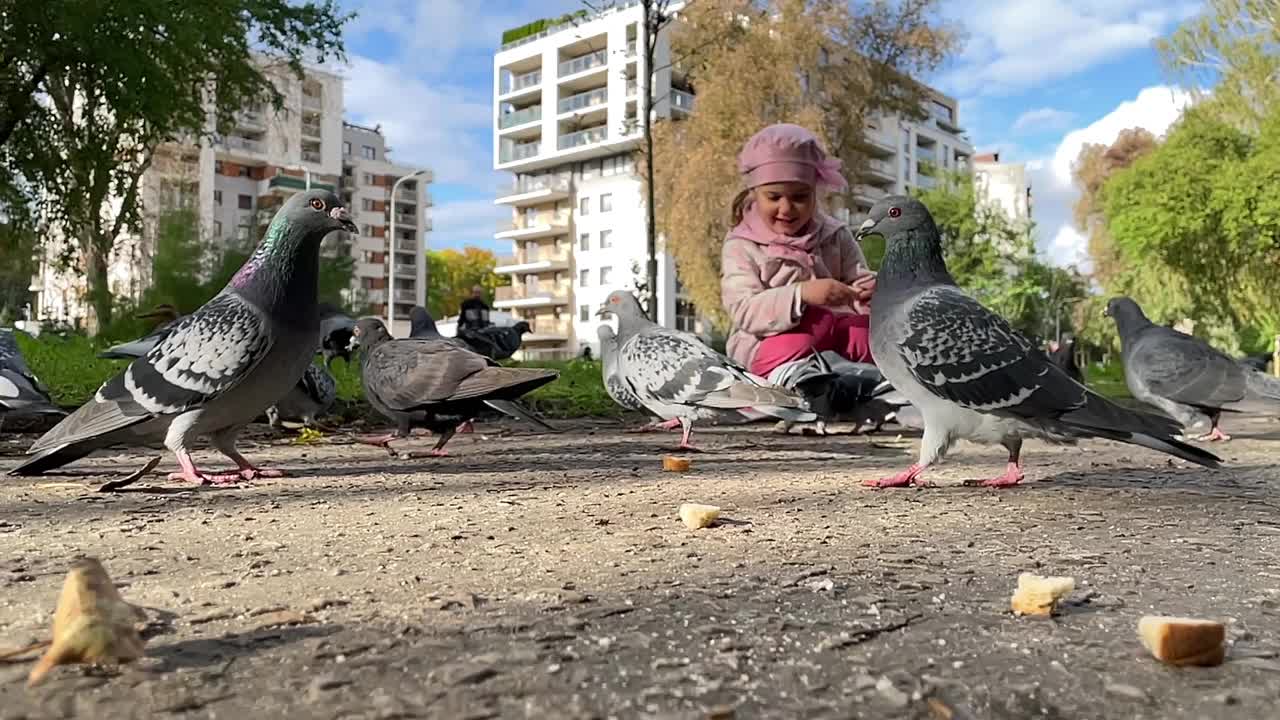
{"x":633,"y":87}
{"x":882,"y":167}
{"x":404,"y":245}
{"x":406,"y":296}
{"x":520,"y":117}
{"x":583,"y":137}
{"x":519,"y":151}
{"x":631,"y":48}
{"x":376,"y":296}
{"x":554,"y":183}
{"x":236,"y":142}
{"x":583,"y":63}
{"x":311,"y":129}
{"x":527,"y":80}
{"x":547,"y":254}
{"x":524,"y":223}
{"x":681,"y":100}
{"x":407,"y":195}
{"x":312,"y":156}
{"x":527,"y":290}
{"x":406,"y":219}
{"x":869,"y":191}
{"x":599,"y":96}
{"x":315,"y":102}
{"x":404,"y":270}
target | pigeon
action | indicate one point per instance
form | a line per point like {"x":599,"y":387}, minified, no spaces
{"x":21,"y":392}
{"x":498,"y":343}
{"x":1185,"y":376}
{"x":618,"y":390}
{"x":971,"y":375}
{"x":217,"y":369}
{"x":433,"y":383}
{"x":168,"y":315}
{"x":335,"y":333}
{"x":311,"y":397}
{"x":1063,"y":354}
{"x":1257,"y":361}
{"x":676,"y":377}
{"x":838,"y":389}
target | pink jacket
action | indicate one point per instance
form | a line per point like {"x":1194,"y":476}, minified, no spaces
{"x":762,"y":293}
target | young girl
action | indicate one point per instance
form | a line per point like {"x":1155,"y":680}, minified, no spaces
{"x":793,"y":279}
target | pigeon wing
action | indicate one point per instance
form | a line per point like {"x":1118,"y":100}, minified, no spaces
{"x":1187,"y":370}
{"x":962,"y":352}
{"x":413,"y":372}
{"x":673,"y":368}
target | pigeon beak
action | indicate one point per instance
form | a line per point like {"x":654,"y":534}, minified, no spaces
{"x":602,"y":311}
{"x":343,"y":216}
{"x":865,"y":228}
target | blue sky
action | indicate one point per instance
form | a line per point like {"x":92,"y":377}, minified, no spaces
{"x":1035,"y":80}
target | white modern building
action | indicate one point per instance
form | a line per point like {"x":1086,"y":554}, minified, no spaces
{"x":236,"y":183}
{"x":566,"y":104}
{"x":1006,"y":186}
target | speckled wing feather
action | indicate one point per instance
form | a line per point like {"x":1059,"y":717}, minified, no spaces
{"x":675,"y":369}
{"x":1186,"y":369}
{"x":319,"y":385}
{"x":960,"y":351}
{"x":412,"y":372}
{"x":202,"y":356}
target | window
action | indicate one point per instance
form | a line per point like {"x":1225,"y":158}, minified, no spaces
{"x":584,"y":206}
{"x":217,"y":197}
{"x":366,"y":203}
{"x":606,"y":239}
{"x":366,"y":230}
{"x":584,"y":313}
{"x":243,"y":171}
{"x":245,"y":202}
{"x":217,"y":229}
{"x":606,"y":202}
{"x":346,"y":147}
{"x":584,"y":278}
{"x":584,"y":241}
{"x":606,"y":273}
{"x":906,"y":139}
{"x":367,"y":152}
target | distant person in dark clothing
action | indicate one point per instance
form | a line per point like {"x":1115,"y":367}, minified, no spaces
{"x":474,"y":311}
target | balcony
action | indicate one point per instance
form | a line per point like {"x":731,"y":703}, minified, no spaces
{"x":312,"y":102}
{"x":519,"y":151}
{"x":633,"y":87}
{"x":543,"y":260}
{"x":526,"y":295}
{"x":533,"y":190}
{"x":522,"y":82}
{"x":311,"y":156}
{"x":682,"y":101}
{"x":403,"y":270}
{"x":376,"y":296}
{"x":406,"y":219}
{"x":533,"y":228}
{"x":583,"y":63}
{"x":548,"y":330}
{"x":878,"y":145}
{"x":311,"y":129}
{"x":407,"y":295}
{"x":406,"y":195}
{"x":582,"y":101}
{"x":405,"y":245}
{"x":881,"y":169}
{"x":589,"y":136}
{"x":520,"y":117}
{"x":631,"y":48}
{"x":868,"y":193}
{"x":237,"y":142}
{"x":289,"y":182}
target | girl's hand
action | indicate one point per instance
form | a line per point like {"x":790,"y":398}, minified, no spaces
{"x":827,"y":292}
{"x":864,"y":286}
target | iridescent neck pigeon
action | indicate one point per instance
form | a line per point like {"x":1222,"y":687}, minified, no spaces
{"x":970,"y":374}
{"x":219,"y":368}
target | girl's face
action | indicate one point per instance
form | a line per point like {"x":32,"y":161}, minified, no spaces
{"x":785,"y":207}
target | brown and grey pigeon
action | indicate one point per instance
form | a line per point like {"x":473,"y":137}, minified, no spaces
{"x":1185,"y":376}
{"x":217,"y":369}
{"x":677,"y":377}
{"x":20,"y":390}
{"x":970,"y":374}
{"x":435,"y":384}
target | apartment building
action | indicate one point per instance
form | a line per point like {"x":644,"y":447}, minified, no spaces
{"x":566,"y":98}
{"x":235,"y":183}
{"x":1003,"y":185}
{"x":392,"y":230}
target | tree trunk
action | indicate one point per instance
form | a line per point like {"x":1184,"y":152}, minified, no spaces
{"x":651,"y":25}
{"x":99,"y":289}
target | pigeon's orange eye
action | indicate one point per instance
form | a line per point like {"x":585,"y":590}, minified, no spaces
{"x":894,"y":212}
{"x":317,"y":203}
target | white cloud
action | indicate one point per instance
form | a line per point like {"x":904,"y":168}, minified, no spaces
{"x":1053,"y":192}
{"x":1042,"y":119}
{"x":1014,"y":45}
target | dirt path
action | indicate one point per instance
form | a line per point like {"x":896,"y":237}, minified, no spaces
{"x":547,"y":577}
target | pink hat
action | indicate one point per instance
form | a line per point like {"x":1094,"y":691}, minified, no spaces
{"x":788,"y":153}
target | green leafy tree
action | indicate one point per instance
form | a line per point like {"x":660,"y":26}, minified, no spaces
{"x":118,"y":80}
{"x":452,"y":273}
{"x":18,"y":246}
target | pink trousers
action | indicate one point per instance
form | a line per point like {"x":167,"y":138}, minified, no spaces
{"x":819,"y":329}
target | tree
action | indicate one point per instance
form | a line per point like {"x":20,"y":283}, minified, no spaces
{"x":1093,"y":167}
{"x":816,"y":63}
{"x":453,"y":273}
{"x":130,"y":76}
{"x":18,"y":246}
{"x":1230,"y":56}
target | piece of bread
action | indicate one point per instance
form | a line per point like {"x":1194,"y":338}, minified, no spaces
{"x":1040,"y":595}
{"x":696,"y":517}
{"x":1184,"y":641}
{"x":671,"y":463}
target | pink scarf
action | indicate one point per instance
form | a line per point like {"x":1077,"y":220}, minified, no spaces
{"x":799,"y":249}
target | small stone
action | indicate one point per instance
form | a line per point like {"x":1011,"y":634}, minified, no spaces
{"x":1128,"y":692}
{"x":891,"y":694}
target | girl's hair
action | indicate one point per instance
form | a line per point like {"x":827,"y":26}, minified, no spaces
{"x":739,"y":207}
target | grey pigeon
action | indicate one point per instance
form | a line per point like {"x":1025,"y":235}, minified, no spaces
{"x":1185,"y":376}
{"x":422,"y":325}
{"x":310,"y":398}
{"x":335,"y":333}
{"x":21,"y":392}
{"x":677,"y":377}
{"x":435,"y":384}
{"x":970,"y":374}
{"x":217,"y":369}
{"x":498,"y":343}
{"x":838,"y":389}
{"x":618,"y":390}
{"x":167,"y":314}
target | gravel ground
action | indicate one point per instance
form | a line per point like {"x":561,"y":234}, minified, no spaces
{"x":546,"y":576}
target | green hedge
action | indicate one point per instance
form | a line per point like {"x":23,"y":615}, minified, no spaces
{"x":538,"y":26}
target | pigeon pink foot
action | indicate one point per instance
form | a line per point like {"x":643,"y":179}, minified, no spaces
{"x":903,"y":479}
{"x":1214,"y":435}
{"x":1012,"y":476}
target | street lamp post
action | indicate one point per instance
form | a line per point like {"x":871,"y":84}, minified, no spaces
{"x":391,"y":253}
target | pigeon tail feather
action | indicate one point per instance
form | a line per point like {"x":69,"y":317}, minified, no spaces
{"x":92,"y":420}
{"x":1102,"y":418}
{"x":503,"y":382}
{"x":517,"y":411}
{"x":55,"y":457}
